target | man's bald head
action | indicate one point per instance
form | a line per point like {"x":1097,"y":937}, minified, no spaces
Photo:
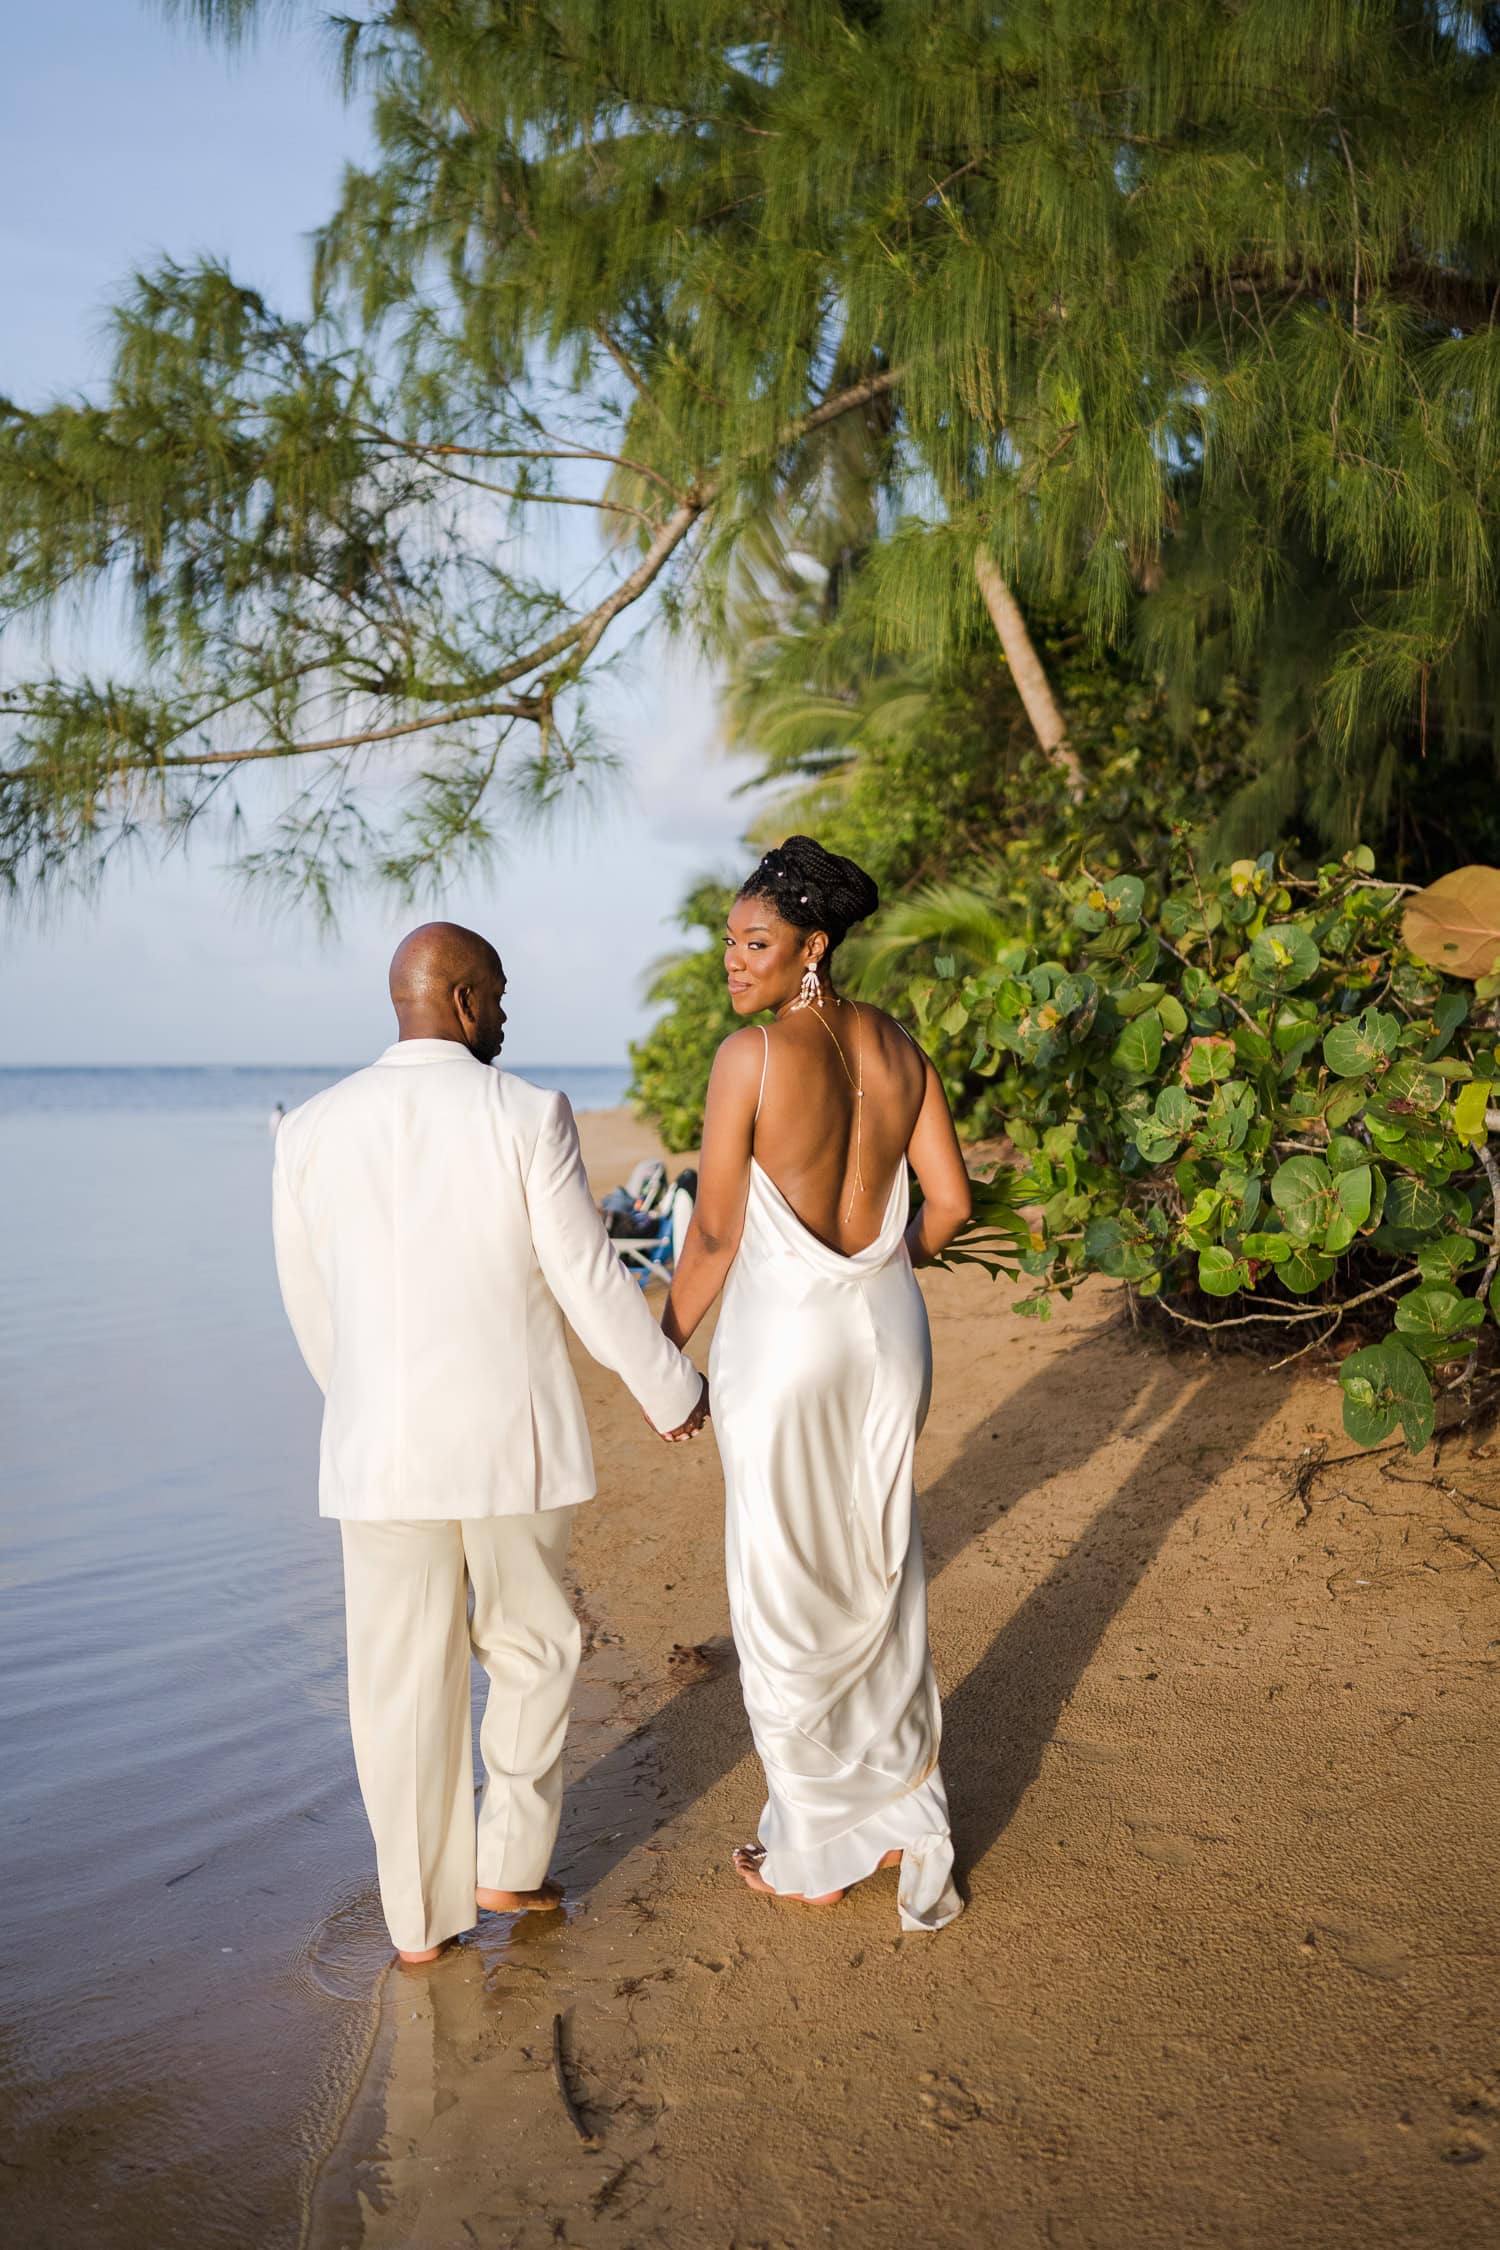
{"x":448,"y":983}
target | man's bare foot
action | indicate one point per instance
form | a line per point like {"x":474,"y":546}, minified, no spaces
{"x":545,"y":1899}
{"x":747,"y":1865}
{"x":419,"y":1960}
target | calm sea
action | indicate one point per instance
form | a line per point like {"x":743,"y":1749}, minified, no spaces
{"x":190,"y":1938}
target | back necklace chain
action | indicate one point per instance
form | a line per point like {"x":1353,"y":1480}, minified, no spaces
{"x":858,"y":1184}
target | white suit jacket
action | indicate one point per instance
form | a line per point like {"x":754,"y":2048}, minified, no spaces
{"x":431,"y":1215}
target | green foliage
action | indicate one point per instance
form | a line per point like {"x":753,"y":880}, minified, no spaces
{"x":671,"y":1063}
{"x":940,"y":791}
{"x":1211,"y":365}
{"x":1241,"y":1084}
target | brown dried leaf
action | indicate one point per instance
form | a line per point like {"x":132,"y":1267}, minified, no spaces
{"x":1455,"y":923}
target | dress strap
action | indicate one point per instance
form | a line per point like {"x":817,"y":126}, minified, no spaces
{"x":764,"y":1061}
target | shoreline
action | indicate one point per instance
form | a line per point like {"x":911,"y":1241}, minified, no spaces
{"x":1220,"y":1771}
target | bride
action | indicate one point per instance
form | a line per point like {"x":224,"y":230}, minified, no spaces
{"x":819,"y":1375}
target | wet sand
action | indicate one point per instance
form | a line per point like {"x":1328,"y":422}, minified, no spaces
{"x":1221,"y":1762}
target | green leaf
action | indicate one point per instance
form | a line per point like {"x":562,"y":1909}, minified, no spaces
{"x":1208,"y":1060}
{"x":1302,"y":1190}
{"x":954,"y":1018}
{"x":1156,"y":1146}
{"x":1135,"y":999}
{"x":1468,"y":1111}
{"x":1352,"y":1049}
{"x":1305,"y":1270}
{"x":1173,"y":1015}
{"x":1410,"y":1081}
{"x":1227,"y":1119}
{"x":1345,"y":1153}
{"x":1111,"y":1249}
{"x":1414,"y":1205}
{"x":1253,"y":1048}
{"x":1243,"y":1188}
{"x":1269,"y":1249}
{"x":1448,"y":1255}
{"x":1105,"y":905}
{"x":1346,"y":1103}
{"x":1435,"y":1319}
{"x":1353,"y":1191}
{"x":1125,"y":895}
{"x":1284,"y":956}
{"x":1175,"y":1109}
{"x":1448,"y":1014}
{"x":1385,"y":1388}
{"x":1138,"y":1048}
{"x":1351,"y":1209}
{"x":1220,"y":1272}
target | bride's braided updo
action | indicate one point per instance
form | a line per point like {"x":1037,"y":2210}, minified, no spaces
{"x":813,"y":889}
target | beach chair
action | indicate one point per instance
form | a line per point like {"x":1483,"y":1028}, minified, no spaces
{"x":653,"y":1257}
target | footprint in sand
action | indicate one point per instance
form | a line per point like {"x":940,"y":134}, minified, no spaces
{"x":946,"y":2103}
{"x":1370,"y":1953}
{"x":697,"y":1662}
{"x":1169,"y":1847}
{"x":1467,"y":2147}
{"x":1475,"y":2102}
{"x":1326,"y":2124}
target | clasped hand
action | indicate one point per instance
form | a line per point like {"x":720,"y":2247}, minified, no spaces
{"x":689,"y":1428}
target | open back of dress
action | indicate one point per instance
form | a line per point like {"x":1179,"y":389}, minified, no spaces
{"x":821,"y":1368}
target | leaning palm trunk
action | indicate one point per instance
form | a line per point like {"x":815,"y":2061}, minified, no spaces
{"x":1027,"y":670}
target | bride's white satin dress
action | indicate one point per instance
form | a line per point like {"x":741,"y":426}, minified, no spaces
{"x":820,"y":1373}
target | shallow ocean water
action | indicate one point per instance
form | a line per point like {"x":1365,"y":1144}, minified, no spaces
{"x":191,"y":1939}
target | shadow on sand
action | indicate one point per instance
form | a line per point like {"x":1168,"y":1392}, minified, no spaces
{"x":1001,"y":1716}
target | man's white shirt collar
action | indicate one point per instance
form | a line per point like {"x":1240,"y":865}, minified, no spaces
{"x":429,"y":1051}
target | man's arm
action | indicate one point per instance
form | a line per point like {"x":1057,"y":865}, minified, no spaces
{"x":605,"y":1306}
{"x":302,"y":1290}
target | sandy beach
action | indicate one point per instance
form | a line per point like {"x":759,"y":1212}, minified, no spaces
{"x":1219,"y":1747}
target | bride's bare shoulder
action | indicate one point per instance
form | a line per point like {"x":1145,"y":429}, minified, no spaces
{"x":891,"y":1031}
{"x":740,"y":1056}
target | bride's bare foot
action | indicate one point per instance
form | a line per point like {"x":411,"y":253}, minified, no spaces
{"x":419,"y":1960}
{"x":747,"y":1866}
{"x":545,"y":1899}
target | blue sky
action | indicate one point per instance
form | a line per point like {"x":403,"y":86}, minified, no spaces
{"x":123,"y":137}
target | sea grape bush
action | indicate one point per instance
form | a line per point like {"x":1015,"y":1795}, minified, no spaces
{"x":1242,"y":1084}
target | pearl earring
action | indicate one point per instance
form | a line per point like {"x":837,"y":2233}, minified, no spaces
{"x":811,"y":994}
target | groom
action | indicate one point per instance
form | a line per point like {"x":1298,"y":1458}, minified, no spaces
{"x":433,"y":1223}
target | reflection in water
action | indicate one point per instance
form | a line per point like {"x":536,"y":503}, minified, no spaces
{"x":192,"y":1941}
{"x":470,"y":2038}
{"x":173,"y":1758}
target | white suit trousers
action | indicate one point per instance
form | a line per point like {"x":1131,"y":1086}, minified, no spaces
{"x":406,"y":1602}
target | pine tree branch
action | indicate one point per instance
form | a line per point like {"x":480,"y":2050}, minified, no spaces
{"x":575,"y":642}
{"x":417,"y":450}
{"x":583,"y":636}
{"x":545,"y":499}
{"x":150,"y":762}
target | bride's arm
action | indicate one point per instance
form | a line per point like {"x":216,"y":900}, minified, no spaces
{"x":713,"y":1237}
{"x":938,"y":1162}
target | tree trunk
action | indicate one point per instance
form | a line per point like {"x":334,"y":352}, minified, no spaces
{"x":1027,"y":670}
